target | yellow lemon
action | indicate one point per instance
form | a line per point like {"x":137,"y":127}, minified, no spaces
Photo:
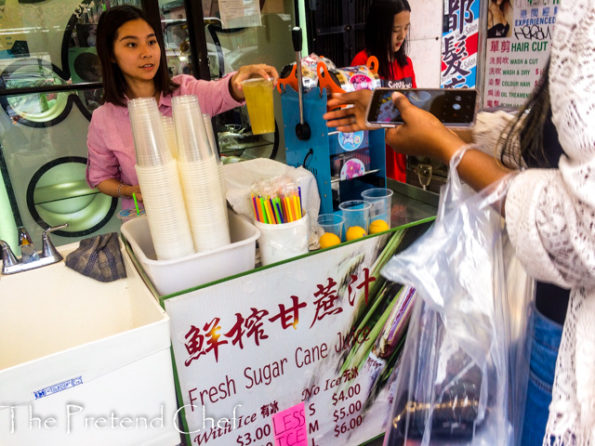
{"x":355,"y":232}
{"x":378,"y":226}
{"x":328,"y":239}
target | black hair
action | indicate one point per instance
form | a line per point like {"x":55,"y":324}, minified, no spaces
{"x":114,"y":83}
{"x":527,"y":128}
{"x":379,"y":28}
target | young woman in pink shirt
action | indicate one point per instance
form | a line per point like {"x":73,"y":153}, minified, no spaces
{"x":133,"y":65}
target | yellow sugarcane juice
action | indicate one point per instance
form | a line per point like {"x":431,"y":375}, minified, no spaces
{"x":259,"y":100}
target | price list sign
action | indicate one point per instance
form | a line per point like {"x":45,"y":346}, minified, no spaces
{"x":302,"y":353}
{"x":518,"y":46}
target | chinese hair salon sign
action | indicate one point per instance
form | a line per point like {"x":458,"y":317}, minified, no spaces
{"x":459,"y":44}
{"x":298,"y":353}
{"x":518,"y":46}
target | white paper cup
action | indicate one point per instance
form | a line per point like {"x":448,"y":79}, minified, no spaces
{"x":282,"y":241}
{"x":150,"y":143}
{"x":192,"y":137}
{"x":169,"y":130}
{"x":166,"y":213}
{"x":210,"y":134}
{"x":205,"y":203}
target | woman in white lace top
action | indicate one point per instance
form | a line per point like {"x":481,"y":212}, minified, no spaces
{"x":550,"y":213}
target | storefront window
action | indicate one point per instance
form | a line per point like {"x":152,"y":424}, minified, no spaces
{"x":50,"y":83}
{"x":176,"y":36}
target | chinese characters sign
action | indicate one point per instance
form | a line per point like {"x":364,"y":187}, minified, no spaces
{"x":516,"y":53}
{"x":253,"y":326}
{"x":459,"y":44}
{"x":250,"y":348}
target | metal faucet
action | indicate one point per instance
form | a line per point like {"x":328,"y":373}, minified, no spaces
{"x":48,"y":255}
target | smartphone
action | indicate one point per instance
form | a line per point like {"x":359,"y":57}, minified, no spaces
{"x":453,"y":107}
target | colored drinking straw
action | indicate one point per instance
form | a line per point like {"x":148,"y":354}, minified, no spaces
{"x":263,"y":210}
{"x":296,"y":204}
{"x":135,"y":203}
{"x":270,"y":212}
{"x":276,"y":212}
{"x":255,"y":206}
{"x":277,"y":203}
{"x":280,"y":206}
{"x":289,"y":209}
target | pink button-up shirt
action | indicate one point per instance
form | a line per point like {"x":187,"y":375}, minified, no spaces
{"x":110,"y":142}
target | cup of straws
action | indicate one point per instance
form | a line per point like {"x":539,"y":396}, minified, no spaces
{"x":281,"y":219}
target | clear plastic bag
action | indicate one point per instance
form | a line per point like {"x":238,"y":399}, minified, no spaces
{"x":454,"y":385}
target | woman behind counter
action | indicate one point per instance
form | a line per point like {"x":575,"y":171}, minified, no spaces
{"x":134,"y":65}
{"x":387,"y":26}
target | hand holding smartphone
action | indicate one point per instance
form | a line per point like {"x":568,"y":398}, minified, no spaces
{"x":453,"y":107}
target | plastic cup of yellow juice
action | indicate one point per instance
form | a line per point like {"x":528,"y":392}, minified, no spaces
{"x":259,"y":100}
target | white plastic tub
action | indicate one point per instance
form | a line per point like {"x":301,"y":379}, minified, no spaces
{"x":171,"y":276}
{"x":83,"y":362}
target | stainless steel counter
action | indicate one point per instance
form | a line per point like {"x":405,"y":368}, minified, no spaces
{"x":411,"y":203}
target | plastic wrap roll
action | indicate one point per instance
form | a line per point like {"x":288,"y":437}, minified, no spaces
{"x":355,"y":78}
{"x":318,"y":71}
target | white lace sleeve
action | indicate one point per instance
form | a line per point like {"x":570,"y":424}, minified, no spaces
{"x":488,"y":128}
{"x":551,"y":228}
{"x":550,"y":216}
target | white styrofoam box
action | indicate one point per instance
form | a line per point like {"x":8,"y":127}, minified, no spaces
{"x":83,"y":361}
{"x":171,"y":276}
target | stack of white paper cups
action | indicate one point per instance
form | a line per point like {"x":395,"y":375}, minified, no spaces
{"x":199,"y":172}
{"x":159,"y":182}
